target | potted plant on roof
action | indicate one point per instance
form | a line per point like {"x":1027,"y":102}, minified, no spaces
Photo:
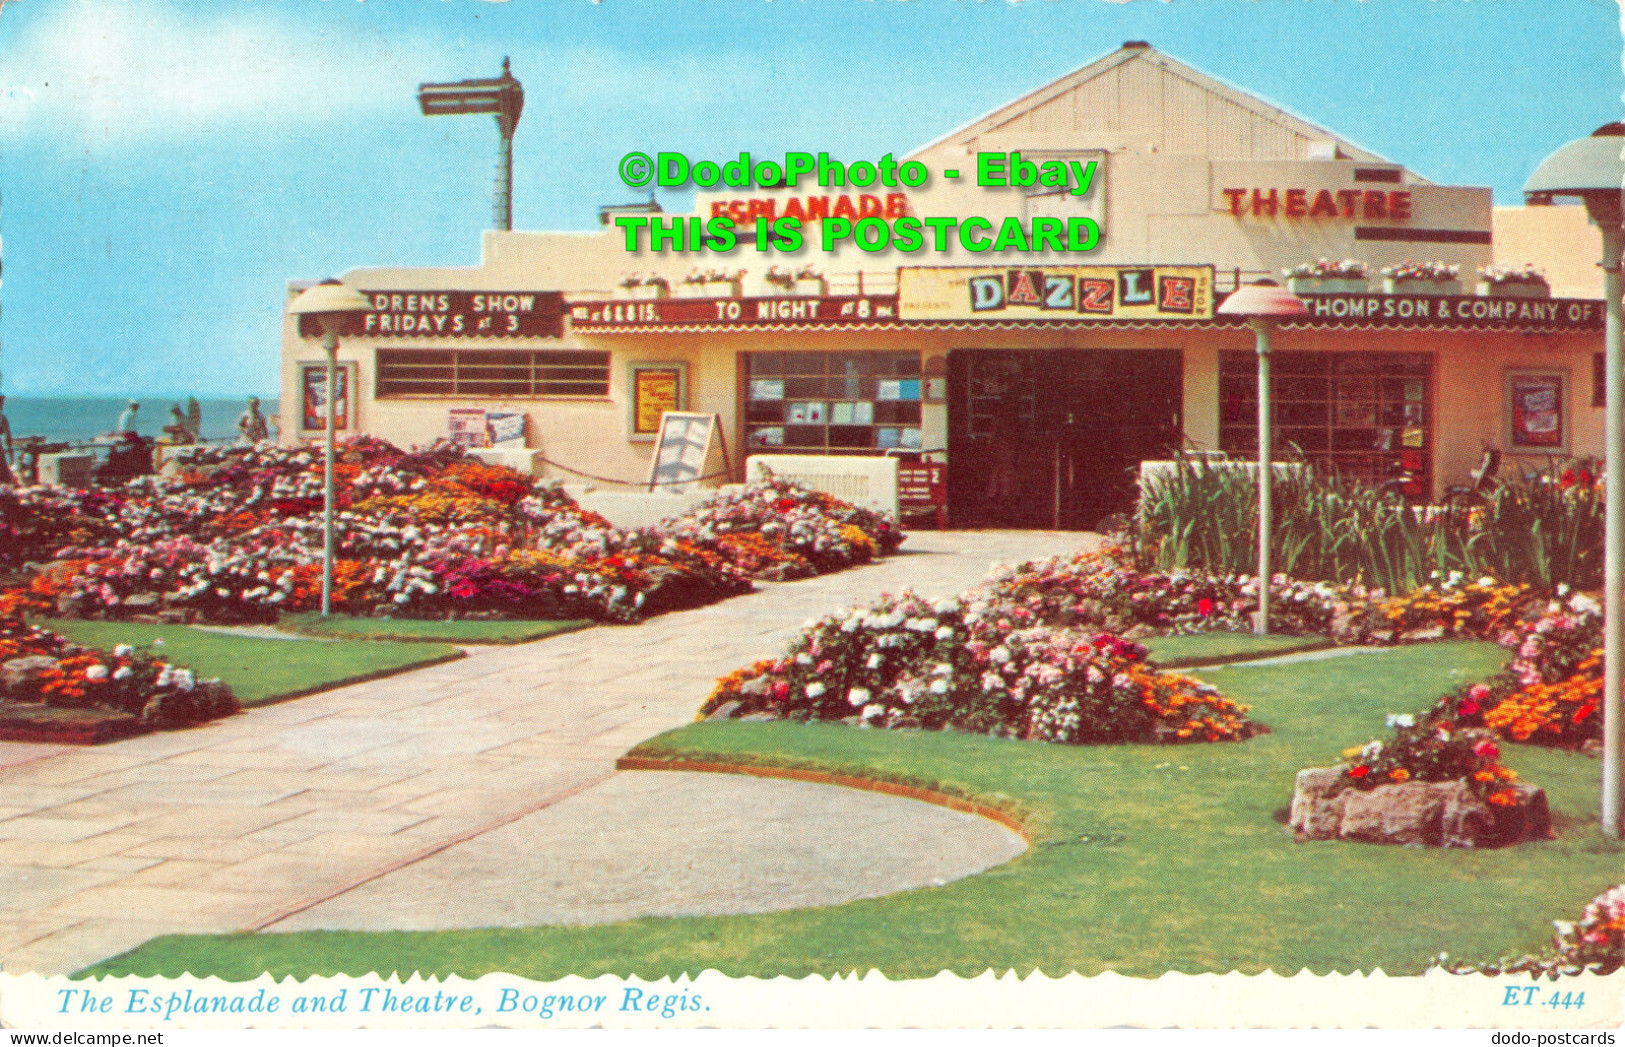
{"x":693,"y":284}
{"x":723,"y":283}
{"x":775,"y":281}
{"x":1410,"y":277}
{"x":1326,"y":277}
{"x":644,"y":285}
{"x":809,"y":282}
{"x":1498,"y":281}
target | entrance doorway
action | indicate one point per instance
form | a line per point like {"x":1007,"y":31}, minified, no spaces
{"x":1053,"y":438}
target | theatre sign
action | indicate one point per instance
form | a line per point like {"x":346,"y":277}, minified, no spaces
{"x":1074,"y":292}
{"x":834,"y":310}
{"x":464,"y":314}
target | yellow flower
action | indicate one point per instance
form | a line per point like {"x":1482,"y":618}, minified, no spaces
{"x":1400,"y":774}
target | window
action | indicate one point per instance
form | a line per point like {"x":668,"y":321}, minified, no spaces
{"x":1364,"y":416}
{"x":832,"y":403}
{"x":507,"y":373}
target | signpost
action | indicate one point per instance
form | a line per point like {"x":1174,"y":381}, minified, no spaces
{"x":504,"y":98}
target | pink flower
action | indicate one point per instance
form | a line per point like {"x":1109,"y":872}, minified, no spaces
{"x":1486,"y":749}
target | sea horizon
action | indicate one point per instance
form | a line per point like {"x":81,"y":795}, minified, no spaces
{"x":79,"y":419}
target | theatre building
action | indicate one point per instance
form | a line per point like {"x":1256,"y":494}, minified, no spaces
{"x":1042,"y":378}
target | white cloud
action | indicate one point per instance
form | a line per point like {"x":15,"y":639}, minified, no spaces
{"x":120,"y":69}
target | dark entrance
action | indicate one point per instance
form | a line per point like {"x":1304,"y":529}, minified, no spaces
{"x":1053,"y":438}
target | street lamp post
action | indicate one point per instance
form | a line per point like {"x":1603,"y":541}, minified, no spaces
{"x":1593,"y":170}
{"x":1263,"y":304}
{"x":329,"y":304}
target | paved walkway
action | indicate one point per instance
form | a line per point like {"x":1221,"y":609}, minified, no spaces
{"x":258,"y":820}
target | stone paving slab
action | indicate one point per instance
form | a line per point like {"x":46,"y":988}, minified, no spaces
{"x":669,"y":843}
{"x":506,"y":731}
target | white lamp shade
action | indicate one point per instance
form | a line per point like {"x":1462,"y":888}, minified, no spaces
{"x":329,"y":298}
{"x":1264,"y":300}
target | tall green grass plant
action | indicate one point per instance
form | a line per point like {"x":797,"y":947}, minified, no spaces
{"x":1204,"y":515}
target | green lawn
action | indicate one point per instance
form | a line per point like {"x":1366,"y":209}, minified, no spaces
{"x":1172,"y":652}
{"x":259,"y":670}
{"x":414,"y":630}
{"x":1144,"y":859}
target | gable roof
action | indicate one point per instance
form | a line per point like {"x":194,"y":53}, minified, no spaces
{"x":1138,"y":97}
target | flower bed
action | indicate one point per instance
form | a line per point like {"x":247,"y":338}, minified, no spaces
{"x":51,"y":689}
{"x":1550,"y":691}
{"x":980,"y":665}
{"x":238,"y":537}
{"x":1453,"y":606}
{"x":1594,"y":943}
{"x":778,"y":530}
{"x":1104,"y":590}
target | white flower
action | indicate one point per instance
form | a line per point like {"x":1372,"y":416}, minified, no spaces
{"x":1401,"y":720}
{"x":123,"y":650}
{"x":857,"y":695}
{"x":96,"y":672}
{"x":873,"y":710}
{"x":803,"y":658}
{"x":1562,"y":589}
{"x":1488,"y":582}
{"x":939,"y":686}
{"x":123,"y":672}
{"x":874,"y":661}
{"x":159,"y":642}
{"x":942,"y":669}
{"x":945,"y":633}
{"x":998,"y":656}
{"x":814,"y":690}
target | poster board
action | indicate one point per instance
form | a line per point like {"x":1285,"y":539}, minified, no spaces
{"x":313,"y":397}
{"x":465,"y":426}
{"x":690,"y":446}
{"x":478,"y":427}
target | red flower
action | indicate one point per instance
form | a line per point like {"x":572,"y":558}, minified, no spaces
{"x":1468,"y":707}
{"x":1360,"y":771}
{"x":1204,"y":607}
{"x":1486,"y":749}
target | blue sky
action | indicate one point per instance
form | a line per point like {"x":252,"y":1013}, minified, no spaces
{"x":166,"y":167}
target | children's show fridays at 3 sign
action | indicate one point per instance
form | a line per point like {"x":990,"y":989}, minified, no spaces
{"x":977,"y":518}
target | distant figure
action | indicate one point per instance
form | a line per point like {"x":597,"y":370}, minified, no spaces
{"x":252,"y":424}
{"x":126,"y":421}
{"x":194,"y":418}
{"x":179,"y":431}
{"x":6,"y":476}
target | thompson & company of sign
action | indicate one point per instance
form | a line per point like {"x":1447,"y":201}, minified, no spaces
{"x":1479,"y":311}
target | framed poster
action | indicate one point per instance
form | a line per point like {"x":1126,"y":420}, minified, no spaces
{"x":313,"y":396}
{"x":1535,"y":406}
{"x":656,"y":389}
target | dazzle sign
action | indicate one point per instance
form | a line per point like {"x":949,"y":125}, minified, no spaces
{"x":1071,"y":292}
